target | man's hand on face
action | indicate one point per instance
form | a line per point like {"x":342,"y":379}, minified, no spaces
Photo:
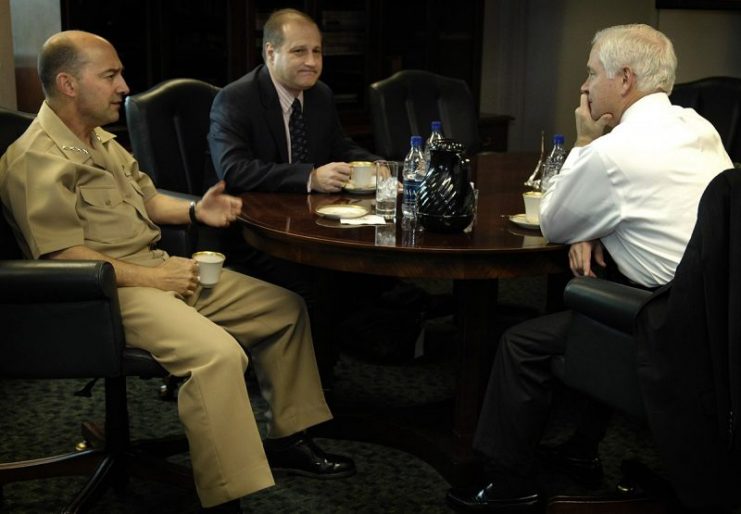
{"x":581,"y":255}
{"x":587,"y":128}
{"x":330,"y":178}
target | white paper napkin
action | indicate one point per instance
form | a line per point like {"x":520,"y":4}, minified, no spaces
{"x":368,"y":219}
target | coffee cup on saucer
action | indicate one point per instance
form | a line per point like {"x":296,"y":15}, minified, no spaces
{"x":362,"y":174}
{"x":532,"y":206}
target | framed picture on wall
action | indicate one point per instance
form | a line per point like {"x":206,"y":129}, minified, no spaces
{"x":698,"y":4}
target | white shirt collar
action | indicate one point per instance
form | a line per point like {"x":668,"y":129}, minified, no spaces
{"x":285,"y":97}
{"x":647,"y":104}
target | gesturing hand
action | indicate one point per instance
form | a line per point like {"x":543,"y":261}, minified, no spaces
{"x":580,"y":257}
{"x":218,"y":209}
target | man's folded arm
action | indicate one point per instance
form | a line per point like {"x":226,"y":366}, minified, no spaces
{"x":174,"y":274}
{"x":127,"y":274}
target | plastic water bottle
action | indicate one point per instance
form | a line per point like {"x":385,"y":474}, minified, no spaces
{"x":408,"y":231}
{"x":553,"y":163}
{"x":435,"y":135}
{"x":413,"y":172}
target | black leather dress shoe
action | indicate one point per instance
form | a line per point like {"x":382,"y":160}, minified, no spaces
{"x":303,"y":457}
{"x":583,"y":465}
{"x":493,"y":498}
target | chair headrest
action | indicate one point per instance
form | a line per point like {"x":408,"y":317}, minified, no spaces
{"x":168,"y":125}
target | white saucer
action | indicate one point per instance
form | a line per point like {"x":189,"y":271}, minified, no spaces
{"x":350,"y":188}
{"x":521,"y":221}
{"x":340,"y":211}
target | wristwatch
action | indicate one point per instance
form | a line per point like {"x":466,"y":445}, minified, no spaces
{"x":192,"y":213}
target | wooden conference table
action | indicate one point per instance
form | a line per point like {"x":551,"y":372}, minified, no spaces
{"x":284,"y":225}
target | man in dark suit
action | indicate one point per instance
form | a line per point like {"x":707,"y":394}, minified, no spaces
{"x":250,"y":136}
{"x":277,"y":129}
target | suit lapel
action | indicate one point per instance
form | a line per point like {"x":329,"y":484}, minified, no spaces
{"x":312,"y":121}
{"x":273,"y":112}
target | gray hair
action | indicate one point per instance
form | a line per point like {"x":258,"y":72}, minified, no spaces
{"x":645,"y":50}
{"x":272,"y":32}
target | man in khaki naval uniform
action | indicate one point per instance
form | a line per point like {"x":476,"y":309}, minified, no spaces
{"x":72,"y":192}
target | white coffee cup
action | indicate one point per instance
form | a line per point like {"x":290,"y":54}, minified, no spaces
{"x":362,"y":174}
{"x":532,"y":205}
{"x":209,"y":267}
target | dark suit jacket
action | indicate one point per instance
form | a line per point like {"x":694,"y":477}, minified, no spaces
{"x":247,"y":137}
{"x":689,"y":354}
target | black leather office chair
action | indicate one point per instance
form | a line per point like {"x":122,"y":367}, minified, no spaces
{"x":604,"y":312}
{"x":168,"y":125}
{"x":718,"y":99}
{"x":670,"y":358}
{"x":407,"y":103}
{"x":61,"y":319}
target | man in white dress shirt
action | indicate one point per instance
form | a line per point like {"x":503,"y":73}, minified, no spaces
{"x":631,"y":193}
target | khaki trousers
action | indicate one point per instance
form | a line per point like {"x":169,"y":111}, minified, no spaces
{"x":204,"y":340}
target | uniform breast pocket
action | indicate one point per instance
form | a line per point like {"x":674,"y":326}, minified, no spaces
{"x":135,"y":186}
{"x":105,"y":216}
{"x":135,"y":196}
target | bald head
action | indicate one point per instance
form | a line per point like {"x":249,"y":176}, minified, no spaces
{"x":82,"y":78}
{"x":274,"y":30}
{"x":65,"y":52}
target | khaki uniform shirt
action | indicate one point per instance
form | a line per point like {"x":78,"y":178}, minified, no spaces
{"x":60,"y":192}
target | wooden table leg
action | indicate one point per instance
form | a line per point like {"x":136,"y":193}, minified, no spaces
{"x":325,"y":343}
{"x":476,"y":311}
{"x":428,"y":430}
{"x":556,"y":284}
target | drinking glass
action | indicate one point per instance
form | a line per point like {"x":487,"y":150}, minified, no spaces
{"x":386,"y":234}
{"x":387,"y":188}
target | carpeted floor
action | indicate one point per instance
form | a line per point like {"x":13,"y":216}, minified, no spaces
{"x":39,"y":418}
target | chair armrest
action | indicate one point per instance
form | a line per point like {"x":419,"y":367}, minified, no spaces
{"x":59,"y":319}
{"x":600,"y":357}
{"x":184,"y":240}
{"x":176,"y":194}
{"x":26,"y":281}
{"x":612,"y":304}
{"x":180,"y":240}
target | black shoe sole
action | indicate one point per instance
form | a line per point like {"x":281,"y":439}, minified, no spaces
{"x":309,"y":474}
{"x":526,"y":506}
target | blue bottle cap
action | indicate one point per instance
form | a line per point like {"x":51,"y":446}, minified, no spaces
{"x":558,"y":139}
{"x":416,"y":140}
{"x":436,"y":126}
